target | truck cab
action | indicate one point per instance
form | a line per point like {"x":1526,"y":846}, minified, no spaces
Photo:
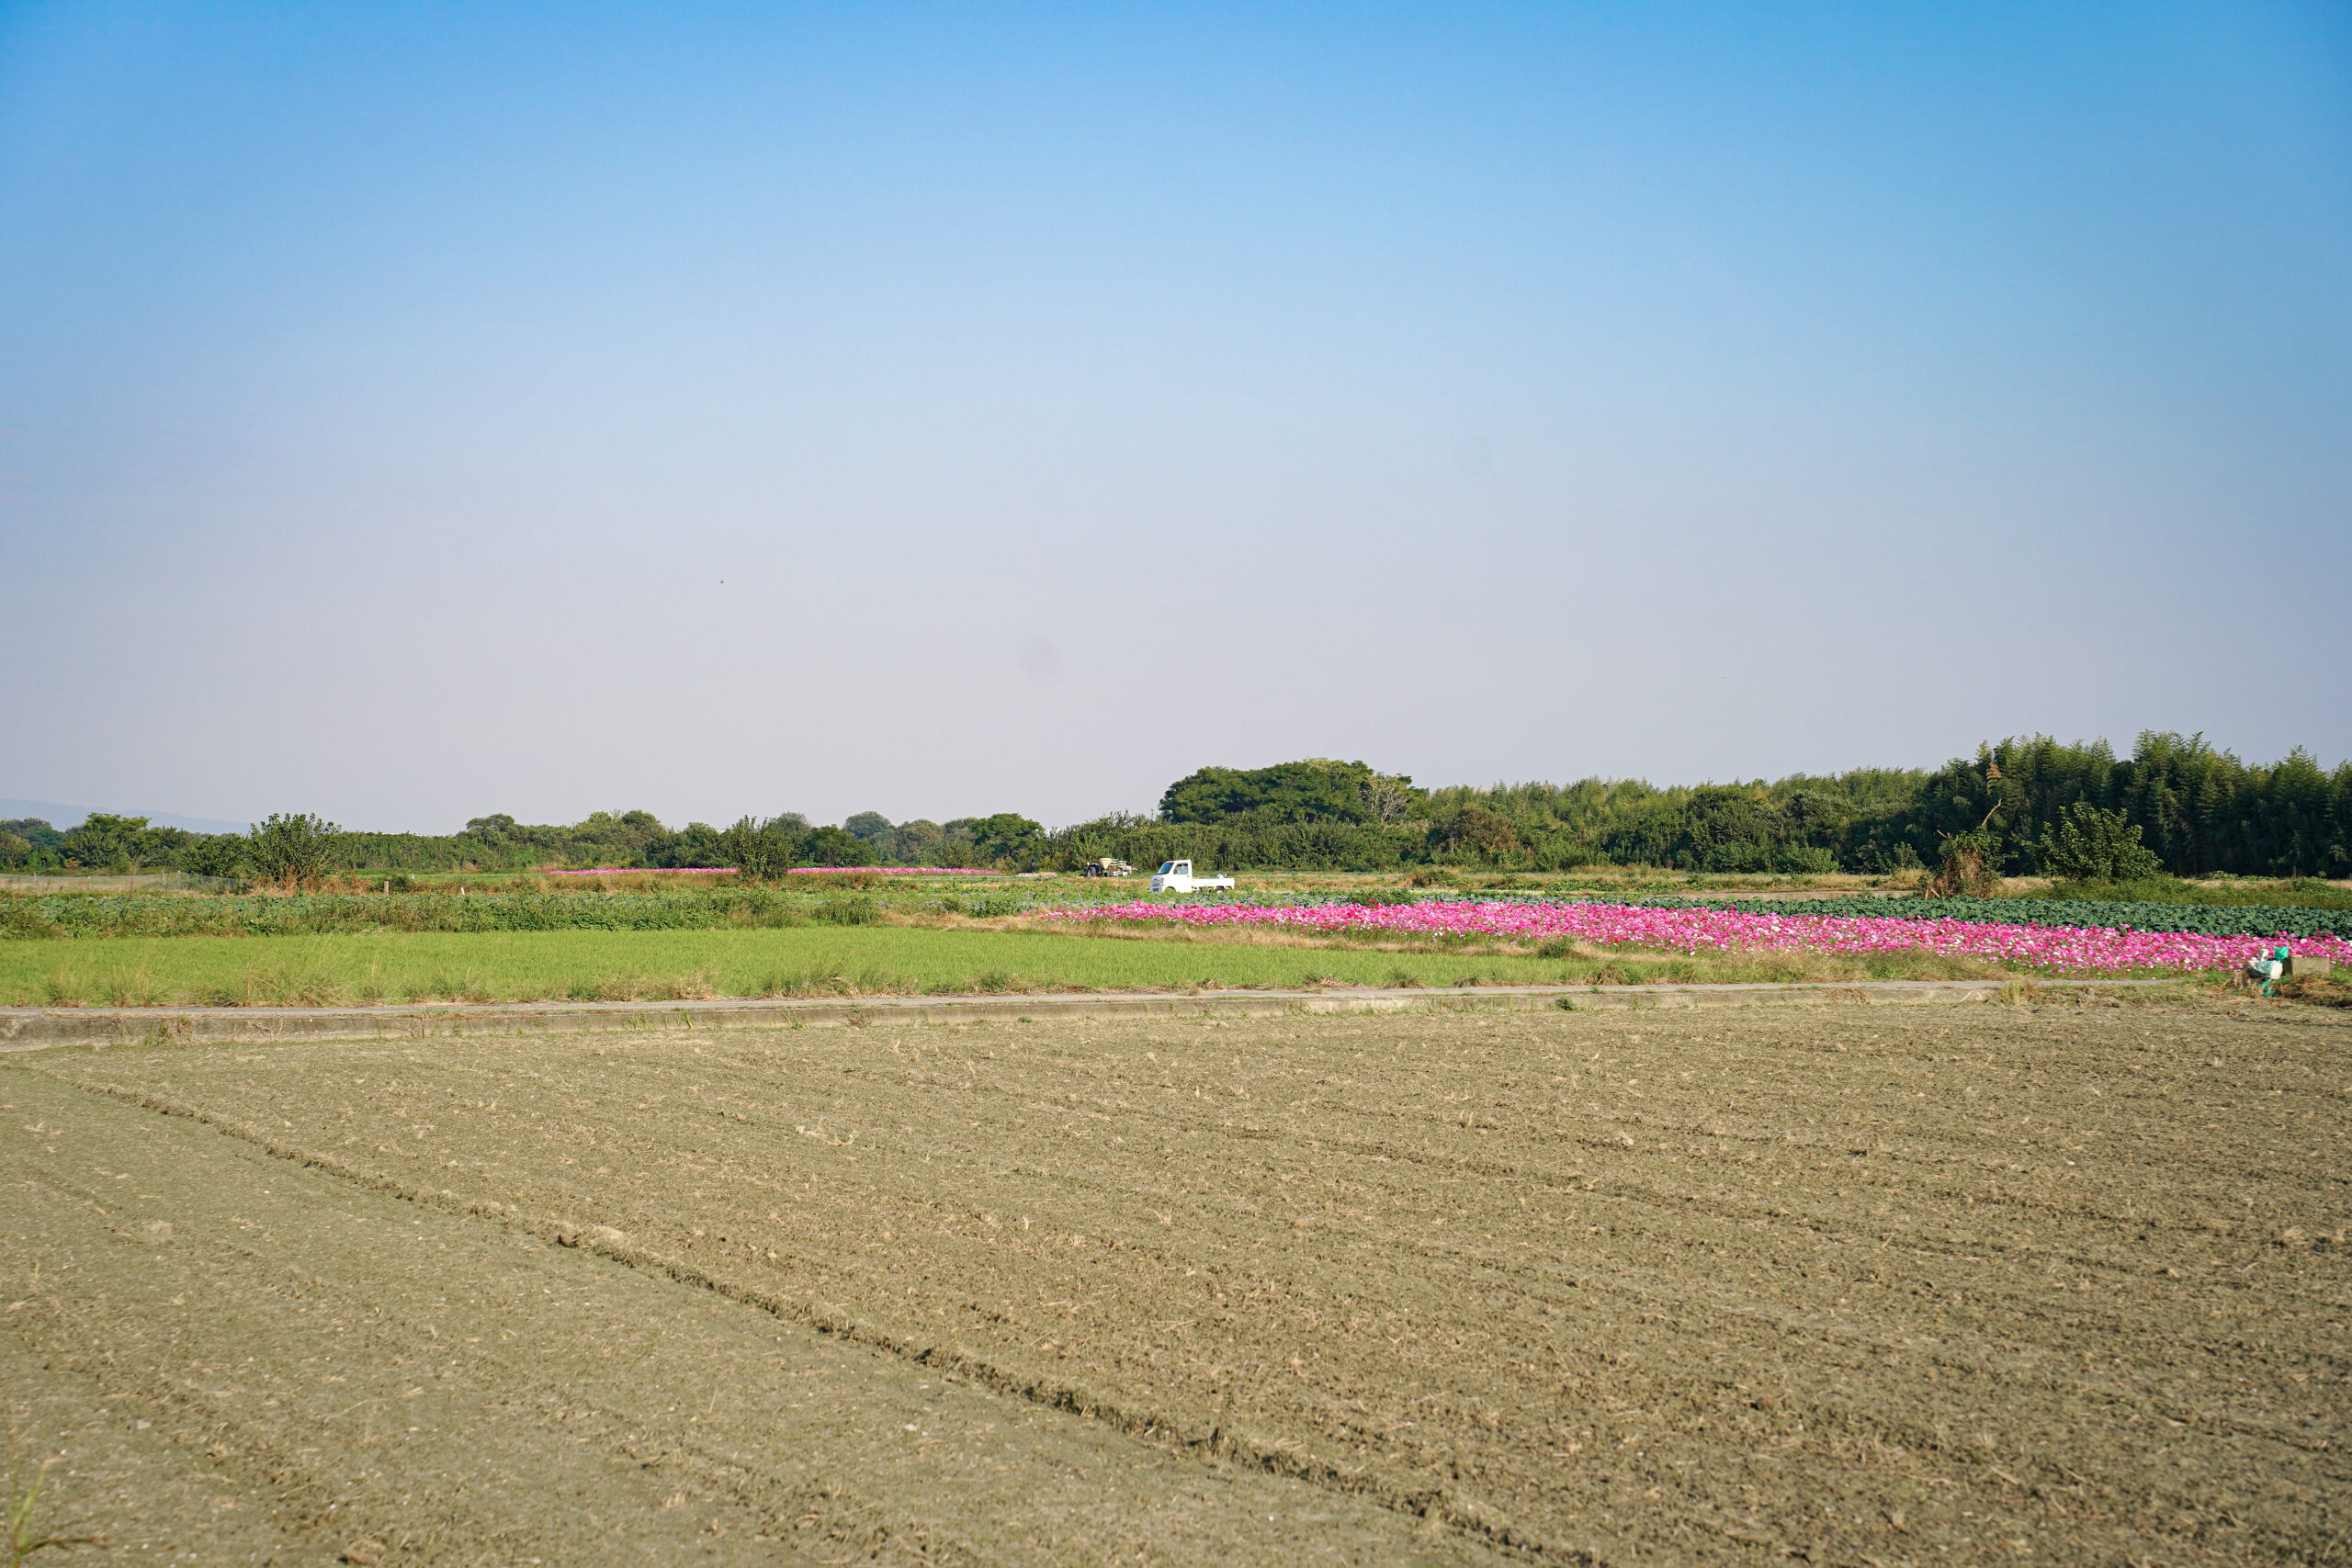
{"x":1176,"y":876}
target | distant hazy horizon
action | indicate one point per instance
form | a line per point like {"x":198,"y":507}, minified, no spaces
{"x":59,"y":815}
{"x":409,"y":413}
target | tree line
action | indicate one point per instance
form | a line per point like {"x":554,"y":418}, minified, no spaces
{"x":303,"y":847}
{"x":2022,"y":804}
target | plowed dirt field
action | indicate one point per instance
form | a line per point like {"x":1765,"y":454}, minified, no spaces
{"x":1875,"y":1285}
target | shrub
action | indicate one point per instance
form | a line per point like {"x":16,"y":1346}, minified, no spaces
{"x":1485,"y":833}
{"x":289,"y":851}
{"x":762,"y":852}
{"x":830,"y":846}
{"x":1970,"y":868}
{"x":217,"y":854}
{"x":2091,"y":845}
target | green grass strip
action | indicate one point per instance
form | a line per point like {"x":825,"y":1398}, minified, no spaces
{"x":619,"y":965}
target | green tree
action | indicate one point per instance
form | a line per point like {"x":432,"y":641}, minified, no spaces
{"x":1481,"y":831}
{"x":917,"y":842}
{"x":1730,"y":829}
{"x":696,"y":844}
{"x":2092,"y":845}
{"x":867,"y":826}
{"x":105,"y":842}
{"x":830,"y":846}
{"x":290,"y":851}
{"x":1314,"y":789}
{"x":34,"y":832}
{"x":216,"y":854}
{"x":41,"y":843}
{"x":1003,"y":837}
{"x":761,"y":851}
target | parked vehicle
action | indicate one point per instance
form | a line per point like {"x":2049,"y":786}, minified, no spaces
{"x":1176,"y":876}
{"x":1106,"y":866}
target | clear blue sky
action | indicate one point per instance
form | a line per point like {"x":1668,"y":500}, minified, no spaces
{"x":408,"y":412}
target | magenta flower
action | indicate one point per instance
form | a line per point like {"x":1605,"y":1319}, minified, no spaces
{"x":1699,"y":929}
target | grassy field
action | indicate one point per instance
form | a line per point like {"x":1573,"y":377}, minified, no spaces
{"x":809,"y":960}
{"x":1985,"y":1285}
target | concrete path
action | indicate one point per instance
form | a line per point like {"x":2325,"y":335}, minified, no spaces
{"x":30,"y":1028}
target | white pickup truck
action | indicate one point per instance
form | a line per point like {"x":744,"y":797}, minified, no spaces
{"x":1176,"y":876}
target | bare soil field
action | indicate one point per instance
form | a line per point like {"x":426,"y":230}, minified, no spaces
{"x":1993,"y":1283}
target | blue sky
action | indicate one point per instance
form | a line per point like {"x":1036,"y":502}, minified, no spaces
{"x":407,"y":414}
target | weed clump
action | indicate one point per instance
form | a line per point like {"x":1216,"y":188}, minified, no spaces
{"x":856,"y":881}
{"x":1970,"y":868}
{"x":869,"y":981}
{"x":24,"y":1537}
{"x":276,"y":986}
{"x":131,"y":988}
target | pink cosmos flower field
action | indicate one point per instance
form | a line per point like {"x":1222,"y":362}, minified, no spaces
{"x":796,"y":871}
{"x":1695,"y":929}
{"x":651,"y":871}
{"x":894,"y":870}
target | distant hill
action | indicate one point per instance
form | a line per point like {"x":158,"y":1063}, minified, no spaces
{"x":61,"y":815}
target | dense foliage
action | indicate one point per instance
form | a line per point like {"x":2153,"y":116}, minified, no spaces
{"x":2197,"y":809}
{"x":1317,"y":789}
{"x":2091,"y":845}
{"x":2176,"y":805}
{"x":102,"y":842}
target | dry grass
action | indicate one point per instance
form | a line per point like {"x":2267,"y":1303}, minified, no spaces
{"x":654,"y":988}
{"x":868,"y":981}
{"x":2329,"y":990}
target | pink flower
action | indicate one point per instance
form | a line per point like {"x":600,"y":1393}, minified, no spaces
{"x":1699,"y":929}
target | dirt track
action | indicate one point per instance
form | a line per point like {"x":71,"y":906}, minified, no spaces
{"x":1989,"y":1283}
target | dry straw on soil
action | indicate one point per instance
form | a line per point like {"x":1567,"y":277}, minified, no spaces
{"x":1960,"y":1284}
